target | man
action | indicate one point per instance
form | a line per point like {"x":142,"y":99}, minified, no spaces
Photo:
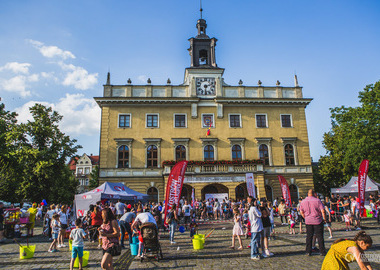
{"x":1,"y":222}
{"x":186,"y":209}
{"x":256,"y":227}
{"x":125,"y":226}
{"x":334,"y":205}
{"x":312,"y":210}
{"x":355,"y":212}
{"x":143,"y":218}
{"x":120,"y":207}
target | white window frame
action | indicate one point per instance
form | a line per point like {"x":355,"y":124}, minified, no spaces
{"x":213,"y":120}
{"x":174,"y":115}
{"x":130,"y":120}
{"x":291,"y":120}
{"x":266,"y":119}
{"x":229,"y":120}
{"x":146,"y":120}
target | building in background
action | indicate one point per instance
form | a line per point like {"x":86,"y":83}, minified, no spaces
{"x":82,"y":168}
{"x":225,"y":131}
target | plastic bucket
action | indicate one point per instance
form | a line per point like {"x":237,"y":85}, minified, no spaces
{"x":86,"y":257}
{"x":70,"y":244}
{"x":27,"y":252}
{"x":134,"y":249}
{"x":135,"y":240}
{"x":198,"y":243}
{"x":200,"y":237}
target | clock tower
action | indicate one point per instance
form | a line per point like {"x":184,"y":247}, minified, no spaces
{"x":203,"y":75}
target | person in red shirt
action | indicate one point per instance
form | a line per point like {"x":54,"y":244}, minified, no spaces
{"x":96,"y":222}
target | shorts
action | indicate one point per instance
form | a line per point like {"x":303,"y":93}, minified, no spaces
{"x":77,"y":251}
{"x":1,"y":226}
{"x":54,"y":235}
{"x":63,"y":226}
{"x":266,"y":232}
{"x":292,"y":225}
{"x":108,"y":250}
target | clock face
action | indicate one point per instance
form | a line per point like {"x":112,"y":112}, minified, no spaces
{"x":205,"y":86}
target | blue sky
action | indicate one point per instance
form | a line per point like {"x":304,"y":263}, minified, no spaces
{"x":58,"y":52}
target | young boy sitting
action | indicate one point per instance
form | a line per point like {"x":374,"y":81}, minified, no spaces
{"x":77,"y":236}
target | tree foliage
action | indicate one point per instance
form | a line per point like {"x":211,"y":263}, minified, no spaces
{"x":354,"y":136}
{"x":94,"y":181}
{"x":36,"y":153}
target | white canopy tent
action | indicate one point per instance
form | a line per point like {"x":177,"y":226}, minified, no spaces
{"x":352,"y":187}
{"x":106,"y":191}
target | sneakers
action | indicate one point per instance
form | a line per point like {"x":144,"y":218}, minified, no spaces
{"x":256,"y":258}
{"x":330,"y":237}
{"x":172,"y":242}
{"x":358,"y":229}
{"x":63,"y":245}
{"x":50,"y":250}
{"x":59,"y":246}
{"x":267,"y":253}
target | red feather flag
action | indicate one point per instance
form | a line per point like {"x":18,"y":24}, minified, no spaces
{"x":362,"y":177}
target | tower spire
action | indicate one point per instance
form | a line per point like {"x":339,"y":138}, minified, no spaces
{"x":201,"y":9}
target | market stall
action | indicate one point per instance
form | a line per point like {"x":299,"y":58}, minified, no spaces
{"x":351,"y":188}
{"x":106,"y":191}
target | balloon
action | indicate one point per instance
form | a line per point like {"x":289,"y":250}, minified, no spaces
{"x":141,"y":238}
{"x":181,"y":229}
{"x":160,"y":208}
{"x":332,"y":212}
{"x":129,"y":206}
{"x":44,"y":201}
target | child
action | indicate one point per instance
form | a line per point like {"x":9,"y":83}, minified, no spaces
{"x":271,"y":218}
{"x":237,"y":230}
{"x":55,"y":228}
{"x":347,"y":219}
{"x":193,"y":228}
{"x":292,"y":222}
{"x":245,"y":222}
{"x":77,"y":236}
{"x":17,"y":231}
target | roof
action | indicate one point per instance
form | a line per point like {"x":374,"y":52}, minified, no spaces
{"x":73,"y":162}
{"x":94,"y":160}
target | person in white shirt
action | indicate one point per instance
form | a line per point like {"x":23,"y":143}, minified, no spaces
{"x":120,"y":207}
{"x":142,"y":218}
{"x":63,"y":221}
{"x":186,"y":209}
{"x":256,"y":227}
{"x":77,"y":236}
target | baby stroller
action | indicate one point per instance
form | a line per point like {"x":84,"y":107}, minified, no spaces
{"x":151,"y":244}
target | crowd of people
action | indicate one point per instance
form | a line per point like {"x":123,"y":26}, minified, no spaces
{"x":107,"y":223}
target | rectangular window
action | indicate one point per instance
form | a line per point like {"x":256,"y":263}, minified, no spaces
{"x":180,"y":120}
{"x":235,"y":121}
{"x":286,"y":120}
{"x":152,"y":120}
{"x":208,"y":120}
{"x":124,"y":120}
{"x":87,"y":171}
{"x":261,"y":120}
{"x":80,"y":170}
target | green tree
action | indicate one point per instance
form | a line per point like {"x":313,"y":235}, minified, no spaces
{"x":41,"y":151}
{"x":354,"y":136}
{"x":94,"y":181}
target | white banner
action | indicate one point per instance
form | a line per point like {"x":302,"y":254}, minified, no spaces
{"x":250,"y":184}
{"x":219,"y":196}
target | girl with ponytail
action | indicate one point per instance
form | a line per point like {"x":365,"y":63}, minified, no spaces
{"x":344,"y":251}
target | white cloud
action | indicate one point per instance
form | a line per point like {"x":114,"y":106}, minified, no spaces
{"x":18,"y":84}
{"x":16,"y":67}
{"x":81,"y":116}
{"x":78,"y":77}
{"x":142,"y":78}
{"x":51,"y":51}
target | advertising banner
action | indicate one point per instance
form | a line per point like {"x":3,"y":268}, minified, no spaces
{"x":250,"y":184}
{"x":362,"y":177}
{"x":174,"y":186}
{"x":285,"y":190}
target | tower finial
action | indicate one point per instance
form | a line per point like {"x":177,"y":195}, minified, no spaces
{"x":108,"y":78}
{"x":296,"y":81}
{"x":201,"y":9}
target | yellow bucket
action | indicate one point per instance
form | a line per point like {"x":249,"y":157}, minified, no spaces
{"x":27,"y":252}
{"x":198,"y":243}
{"x":70,"y":244}
{"x":86,"y":257}
{"x":200,"y":236}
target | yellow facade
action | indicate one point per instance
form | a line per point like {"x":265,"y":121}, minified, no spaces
{"x":165,"y":101}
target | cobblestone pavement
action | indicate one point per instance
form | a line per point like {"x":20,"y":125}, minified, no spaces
{"x":289,"y":252}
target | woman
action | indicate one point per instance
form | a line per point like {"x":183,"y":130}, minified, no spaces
{"x":172,"y":220}
{"x":96,"y":222}
{"x":48,"y":218}
{"x":328,"y":219}
{"x":344,"y":251}
{"x":63,"y":221}
{"x":281,"y":211}
{"x":109,"y":231}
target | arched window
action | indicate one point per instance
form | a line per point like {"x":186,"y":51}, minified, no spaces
{"x":293,"y":193}
{"x":209,"y":153}
{"x":264,"y":153}
{"x":151,"y":153}
{"x":236,"y":152}
{"x":123,"y":161}
{"x":180,"y":153}
{"x":153,"y":194}
{"x":269,"y":193}
{"x":289,"y":154}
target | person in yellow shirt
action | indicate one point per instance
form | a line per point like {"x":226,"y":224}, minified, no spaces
{"x":32,"y":218}
{"x":344,"y":251}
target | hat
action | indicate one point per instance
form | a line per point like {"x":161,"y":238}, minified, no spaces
{"x":34,"y":205}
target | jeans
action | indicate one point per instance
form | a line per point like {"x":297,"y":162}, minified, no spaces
{"x":255,"y":240}
{"x":172,"y":227}
{"x":318,"y":231}
{"x":125,"y":227}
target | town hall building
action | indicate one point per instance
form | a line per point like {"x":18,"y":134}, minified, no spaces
{"x":225,"y":131}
